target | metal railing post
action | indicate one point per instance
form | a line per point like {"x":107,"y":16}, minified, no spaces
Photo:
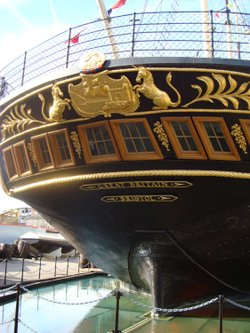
{"x":221,"y":301}
{"x":79,"y":263}
{"x":55,"y":267}
{"x":5,"y":272}
{"x":67,"y":271}
{"x":68,"y":48}
{"x":22,"y":270}
{"x":40,"y":268}
{"x":17,"y":309}
{"x":118,"y":294}
{"x":24,"y":67}
{"x":212,"y":32}
{"x":133,"y":36}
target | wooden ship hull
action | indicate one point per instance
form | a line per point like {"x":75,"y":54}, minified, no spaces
{"x":143,"y":164}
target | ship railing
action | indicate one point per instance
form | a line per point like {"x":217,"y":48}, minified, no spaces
{"x":155,"y":34}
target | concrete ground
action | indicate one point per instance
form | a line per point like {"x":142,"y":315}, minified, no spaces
{"x":32,"y":270}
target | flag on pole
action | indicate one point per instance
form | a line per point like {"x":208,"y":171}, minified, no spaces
{"x":75,"y":39}
{"x":118,"y":4}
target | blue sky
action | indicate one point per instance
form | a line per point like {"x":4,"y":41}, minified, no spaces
{"x":26,"y":23}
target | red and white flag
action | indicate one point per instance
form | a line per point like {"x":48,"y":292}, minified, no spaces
{"x":75,"y":38}
{"x":118,"y":4}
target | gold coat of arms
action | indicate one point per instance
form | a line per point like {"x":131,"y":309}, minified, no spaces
{"x":99,"y":94}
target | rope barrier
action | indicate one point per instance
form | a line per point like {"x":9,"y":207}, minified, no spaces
{"x":27,"y":326}
{"x":67,"y":303}
{"x":244,"y":307}
{"x":33,"y":272}
{"x":191,"y":308}
{"x":9,"y":288}
{"x":1,"y":262}
{"x":7,"y":322}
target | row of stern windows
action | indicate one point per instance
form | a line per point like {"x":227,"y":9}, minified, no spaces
{"x":198,"y":138}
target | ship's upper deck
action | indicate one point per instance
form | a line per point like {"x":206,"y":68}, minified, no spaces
{"x":192,"y":34}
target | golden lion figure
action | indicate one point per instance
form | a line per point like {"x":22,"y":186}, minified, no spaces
{"x":58,"y":106}
{"x":148,"y":88}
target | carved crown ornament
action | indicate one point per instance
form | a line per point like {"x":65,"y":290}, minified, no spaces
{"x":101,"y":94}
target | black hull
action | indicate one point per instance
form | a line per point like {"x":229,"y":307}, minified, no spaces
{"x":175,"y":226}
{"x":191,"y":249}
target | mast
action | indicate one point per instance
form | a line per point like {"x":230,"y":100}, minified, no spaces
{"x":107,"y":25}
{"x":229,"y":31}
{"x":206,"y":28}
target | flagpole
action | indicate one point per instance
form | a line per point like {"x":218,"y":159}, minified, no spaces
{"x":206,"y":28}
{"x":107,"y":25}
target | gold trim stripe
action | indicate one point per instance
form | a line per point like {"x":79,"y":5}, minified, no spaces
{"x":128,"y":174}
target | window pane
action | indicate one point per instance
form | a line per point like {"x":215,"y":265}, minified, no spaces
{"x":184,"y":136}
{"x":192,"y":144}
{"x":216,"y":136}
{"x":176,"y":128}
{"x":183,"y":144}
{"x":63,"y":147}
{"x":10,"y":164}
{"x":136,"y":138}
{"x":44,"y":150}
{"x":22,"y":159}
{"x":99,"y":141}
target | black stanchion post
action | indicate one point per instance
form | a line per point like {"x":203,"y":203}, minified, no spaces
{"x":67,"y":272}
{"x":55,"y":267}
{"x":221,"y":301}
{"x":68,"y":48}
{"x":24,"y":67}
{"x":79,"y":263}
{"x":118,"y":294}
{"x":22,"y":270}
{"x":17,"y":309}
{"x":5,"y":272}
{"x":40,"y":267}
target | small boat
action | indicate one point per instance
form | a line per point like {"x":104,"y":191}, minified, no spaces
{"x":46,"y":244}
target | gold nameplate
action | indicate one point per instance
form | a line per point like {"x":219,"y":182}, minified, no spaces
{"x":139,"y":198}
{"x":136,"y":184}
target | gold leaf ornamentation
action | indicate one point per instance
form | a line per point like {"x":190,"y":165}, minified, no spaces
{"x":148,"y":88}
{"x":32,"y":153}
{"x":17,"y":121}
{"x":162,"y":135}
{"x":228,"y":91}
{"x":76,"y":143}
{"x":239,"y":137}
{"x":99,"y":94}
{"x":58,"y":107}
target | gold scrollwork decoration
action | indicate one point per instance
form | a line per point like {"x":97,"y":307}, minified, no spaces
{"x":162,"y":135}
{"x":17,"y":121}
{"x":239,"y":137}
{"x":224,"y":89}
{"x":76,"y":143}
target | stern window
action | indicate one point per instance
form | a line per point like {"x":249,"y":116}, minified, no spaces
{"x":61,"y":148}
{"x":22,"y":158}
{"x":10,"y":163}
{"x":135,"y":140}
{"x":216,"y":138}
{"x":43,"y":152}
{"x":98,"y":142}
{"x":184,"y":138}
